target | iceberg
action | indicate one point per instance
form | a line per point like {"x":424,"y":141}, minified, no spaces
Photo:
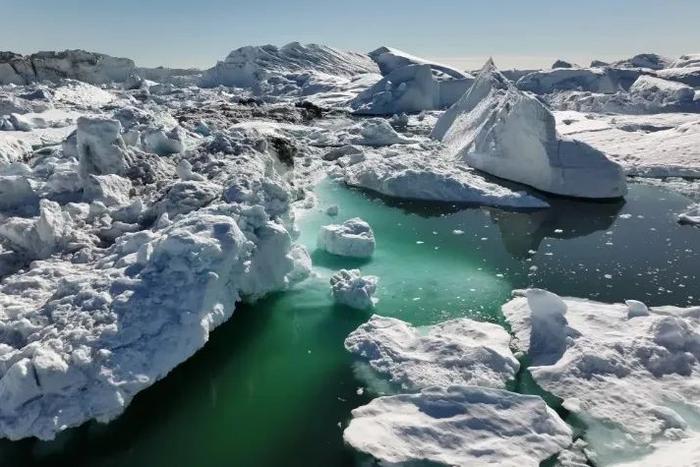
{"x":389,"y":60}
{"x":353,"y":238}
{"x":409,"y":89}
{"x":419,"y":174}
{"x":459,"y":425}
{"x":503,"y":131}
{"x":631,"y":373}
{"x":350,"y":288}
{"x":291,"y":65}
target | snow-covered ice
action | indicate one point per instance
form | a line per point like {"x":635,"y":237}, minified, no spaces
{"x":293,"y":67}
{"x":691,"y":216}
{"x":390,"y":59}
{"x":421,"y":174}
{"x":354,"y":238}
{"x":459,"y":425}
{"x":631,"y":373}
{"x":661,"y":145}
{"x":501,"y":130}
{"x":351,"y":288}
{"x":456,"y":352}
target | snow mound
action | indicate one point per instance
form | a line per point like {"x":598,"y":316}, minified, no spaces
{"x":499,"y":129}
{"x":249,"y":66}
{"x":353,"y":238}
{"x":460,"y":425}
{"x":691,"y":216}
{"x":631,"y":373}
{"x":420,"y":174}
{"x":389,"y":60}
{"x":456,"y":352}
{"x":350,"y":288}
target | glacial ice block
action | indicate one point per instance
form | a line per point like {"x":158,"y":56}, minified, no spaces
{"x":353,"y":237}
{"x":503,"y":131}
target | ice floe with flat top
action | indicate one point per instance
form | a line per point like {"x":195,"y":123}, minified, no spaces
{"x":455,"y":352}
{"x":351,"y":288}
{"x":419,"y":173}
{"x":503,"y":131}
{"x":459,"y":425}
{"x":631,"y":373}
{"x":354,"y":238}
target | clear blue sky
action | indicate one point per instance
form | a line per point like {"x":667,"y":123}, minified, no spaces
{"x":199,"y":32}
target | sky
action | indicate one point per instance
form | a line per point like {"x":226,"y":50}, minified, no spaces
{"x":463,"y":33}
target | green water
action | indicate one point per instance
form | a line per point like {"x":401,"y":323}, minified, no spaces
{"x":274,"y":386}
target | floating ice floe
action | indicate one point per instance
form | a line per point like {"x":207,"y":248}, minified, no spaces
{"x":420,"y":174}
{"x":459,"y":425}
{"x":691,"y":216}
{"x":630,"y":373}
{"x":351,"y":288}
{"x":353,"y":237}
{"x":456,"y":352}
{"x":503,"y":131}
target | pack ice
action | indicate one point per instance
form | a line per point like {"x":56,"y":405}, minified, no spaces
{"x":503,"y":131}
{"x":629,"y":372}
{"x":119,"y":257}
{"x":456,"y":411}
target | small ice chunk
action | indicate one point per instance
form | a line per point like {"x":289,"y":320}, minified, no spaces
{"x":636,"y":308}
{"x":353,"y":238}
{"x":332,"y":210}
{"x":350,"y":288}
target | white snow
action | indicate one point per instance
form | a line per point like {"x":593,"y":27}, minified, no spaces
{"x":455,"y":352}
{"x":351,"y":288}
{"x":353,"y":237}
{"x":689,"y":60}
{"x":499,"y":129}
{"x":632,"y":375}
{"x":460,"y":425}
